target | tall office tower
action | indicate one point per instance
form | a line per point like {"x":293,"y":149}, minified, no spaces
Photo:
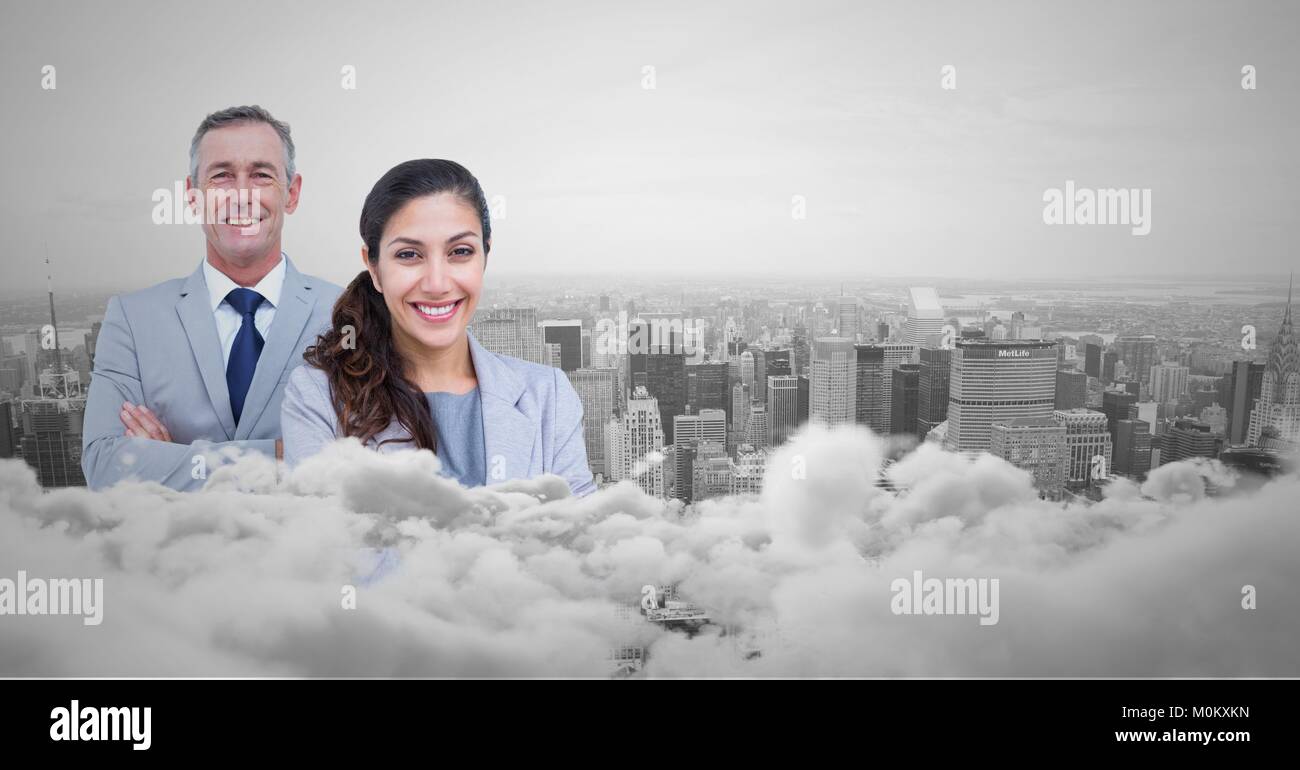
{"x":1071,"y":389}
{"x":759,"y":387}
{"x":1132,"y":448}
{"x":903,"y":399}
{"x":641,"y":443}
{"x":691,"y":430}
{"x":615,"y":463}
{"x":778,"y":362}
{"x":932,"y":388}
{"x":1086,"y":438}
{"x":598,"y":392}
{"x":757,"y":426}
{"x":8,"y":446}
{"x":1168,"y":382}
{"x":1275,"y":420}
{"x":92,"y":339}
{"x":713,"y":473}
{"x":1188,"y":439}
{"x":1245,"y":381}
{"x":875,"y":382}
{"x":1092,"y":360}
{"x":925,"y":318}
{"x":510,"y":331}
{"x":553,"y":354}
{"x":32,"y":349}
{"x":882,"y":332}
{"x":833,"y":397}
{"x":708,"y":425}
{"x":800,"y":353}
{"x":739,"y":414}
{"x":665,"y":377}
{"x":1109,"y":359}
{"x":748,"y":470}
{"x":804,"y":409}
{"x":782,"y":408}
{"x":51,"y":439}
{"x":847,"y":317}
{"x":1118,"y":405}
{"x":706,"y":386}
{"x":568,"y":336}
{"x":747,"y":369}
{"x":1138,"y":352}
{"x":996,"y":381}
{"x":586,"y":347}
{"x":1035,"y":444}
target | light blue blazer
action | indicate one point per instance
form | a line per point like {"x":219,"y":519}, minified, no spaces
{"x":532,"y":420}
{"x":159,"y":347}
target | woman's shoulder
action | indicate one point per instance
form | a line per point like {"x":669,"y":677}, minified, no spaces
{"x":308,"y":382}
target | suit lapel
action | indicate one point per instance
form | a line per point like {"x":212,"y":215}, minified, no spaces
{"x":291,"y":315}
{"x":508,"y":434}
{"x":195,"y":312}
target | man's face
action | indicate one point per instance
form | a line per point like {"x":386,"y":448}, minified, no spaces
{"x":242,"y":166}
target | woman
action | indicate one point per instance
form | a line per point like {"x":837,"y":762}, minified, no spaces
{"x":400,"y":370}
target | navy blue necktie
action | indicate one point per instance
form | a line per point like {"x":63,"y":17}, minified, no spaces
{"x":247,"y":347}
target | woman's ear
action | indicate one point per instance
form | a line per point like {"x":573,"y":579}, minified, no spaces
{"x":374,"y":274}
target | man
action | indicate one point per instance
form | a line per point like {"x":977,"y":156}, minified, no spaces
{"x":192,"y":366}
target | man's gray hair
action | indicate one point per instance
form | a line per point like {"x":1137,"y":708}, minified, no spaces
{"x":245,"y":114}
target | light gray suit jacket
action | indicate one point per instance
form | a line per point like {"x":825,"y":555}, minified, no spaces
{"x":159,"y":347}
{"x":532,"y":420}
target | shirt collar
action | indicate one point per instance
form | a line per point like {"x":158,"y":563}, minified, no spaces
{"x":219,"y":284}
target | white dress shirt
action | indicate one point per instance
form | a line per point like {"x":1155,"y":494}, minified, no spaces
{"x":228,"y":319}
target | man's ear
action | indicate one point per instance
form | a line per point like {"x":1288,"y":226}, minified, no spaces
{"x":295,"y":189}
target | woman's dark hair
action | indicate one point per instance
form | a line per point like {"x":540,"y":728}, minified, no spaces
{"x":368,"y":378}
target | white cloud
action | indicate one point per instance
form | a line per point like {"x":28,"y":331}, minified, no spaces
{"x":245,"y":578}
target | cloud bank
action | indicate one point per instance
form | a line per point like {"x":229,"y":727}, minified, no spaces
{"x":250,"y":577}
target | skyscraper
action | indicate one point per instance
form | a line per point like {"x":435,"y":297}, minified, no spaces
{"x":875,"y":381}
{"x":1275,"y":420}
{"x":706,"y":386}
{"x":510,"y":331}
{"x":932,"y":388}
{"x":1168,"y":382}
{"x":641,"y":444}
{"x":1086,"y":440}
{"x":833,"y":381}
{"x":598,"y":391}
{"x":1092,"y":360}
{"x":925,"y":318}
{"x":1188,"y":439}
{"x":1132,"y":448}
{"x":782,"y":407}
{"x":995,"y":381}
{"x":1071,"y":389}
{"x":1035,"y":444}
{"x":567,"y":335}
{"x":1138,"y":352}
{"x":1245,"y":381}
{"x":903,"y":399}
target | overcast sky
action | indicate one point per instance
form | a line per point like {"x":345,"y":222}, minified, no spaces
{"x":755,"y":102}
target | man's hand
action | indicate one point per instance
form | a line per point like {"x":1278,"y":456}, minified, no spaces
{"x":142,"y":423}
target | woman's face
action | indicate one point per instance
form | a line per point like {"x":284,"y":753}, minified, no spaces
{"x":430,"y":270}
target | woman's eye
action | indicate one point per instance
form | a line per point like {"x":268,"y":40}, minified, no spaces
{"x":407,"y":254}
{"x":463,"y":251}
